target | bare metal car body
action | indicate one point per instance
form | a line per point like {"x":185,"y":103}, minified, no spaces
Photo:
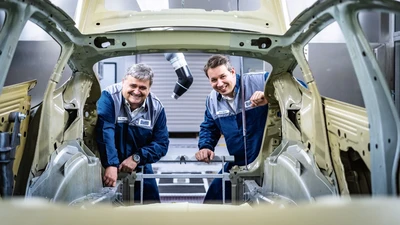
{"x":313,"y":146}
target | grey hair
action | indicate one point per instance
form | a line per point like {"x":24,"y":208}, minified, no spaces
{"x":140,"y":71}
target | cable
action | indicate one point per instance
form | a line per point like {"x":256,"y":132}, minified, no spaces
{"x":243,"y":112}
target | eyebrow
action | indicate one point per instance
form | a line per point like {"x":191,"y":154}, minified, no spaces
{"x":141,"y":86}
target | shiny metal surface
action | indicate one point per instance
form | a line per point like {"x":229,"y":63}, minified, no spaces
{"x":71,"y":174}
{"x":291,"y":172}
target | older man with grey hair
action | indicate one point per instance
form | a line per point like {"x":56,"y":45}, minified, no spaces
{"x":132,"y":129}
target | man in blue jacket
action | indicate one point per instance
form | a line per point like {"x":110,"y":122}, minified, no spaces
{"x":132,"y":129}
{"x":223,"y":115}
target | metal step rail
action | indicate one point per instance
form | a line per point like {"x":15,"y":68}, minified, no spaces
{"x":182,"y":159}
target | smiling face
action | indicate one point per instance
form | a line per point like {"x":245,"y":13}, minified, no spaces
{"x":222,"y":80}
{"x":135,"y":91}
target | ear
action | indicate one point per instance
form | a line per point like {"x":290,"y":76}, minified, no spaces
{"x":233,"y":71}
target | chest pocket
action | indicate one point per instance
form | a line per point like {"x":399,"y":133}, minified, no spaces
{"x":225,"y":118}
{"x":142,"y":125}
{"x":143,"y":129}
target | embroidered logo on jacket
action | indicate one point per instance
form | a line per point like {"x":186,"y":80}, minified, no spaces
{"x":143,"y":122}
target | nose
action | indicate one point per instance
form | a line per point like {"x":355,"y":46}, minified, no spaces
{"x":219,"y":83}
{"x":136,"y":91}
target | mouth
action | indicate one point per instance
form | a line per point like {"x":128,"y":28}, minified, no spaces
{"x":135,"y":96}
{"x":223,"y":89}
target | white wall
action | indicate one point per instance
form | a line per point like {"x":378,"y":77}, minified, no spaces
{"x":331,"y":34}
{"x":32,"y":32}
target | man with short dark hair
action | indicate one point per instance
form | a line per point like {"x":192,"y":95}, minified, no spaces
{"x":223,"y":115}
{"x":132,"y":129}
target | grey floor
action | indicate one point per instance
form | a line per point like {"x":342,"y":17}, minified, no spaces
{"x":186,"y":189}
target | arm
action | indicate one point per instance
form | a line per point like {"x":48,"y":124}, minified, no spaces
{"x":158,"y":147}
{"x":105,"y":138}
{"x":105,"y":130}
{"x":208,"y":138}
{"x":258,"y":98}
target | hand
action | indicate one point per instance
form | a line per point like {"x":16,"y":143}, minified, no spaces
{"x":128,"y":165}
{"x":258,"y":99}
{"x":110,"y":176}
{"x":205,"y":155}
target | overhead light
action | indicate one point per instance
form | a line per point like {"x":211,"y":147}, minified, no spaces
{"x":154,"y":5}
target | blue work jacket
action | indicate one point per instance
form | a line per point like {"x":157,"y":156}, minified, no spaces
{"x":221,"y":118}
{"x":120,"y":136}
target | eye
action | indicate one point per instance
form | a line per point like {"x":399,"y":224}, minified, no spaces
{"x":213,"y":80}
{"x":143,"y":88}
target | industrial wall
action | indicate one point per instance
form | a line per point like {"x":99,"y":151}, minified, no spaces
{"x":186,"y":113}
